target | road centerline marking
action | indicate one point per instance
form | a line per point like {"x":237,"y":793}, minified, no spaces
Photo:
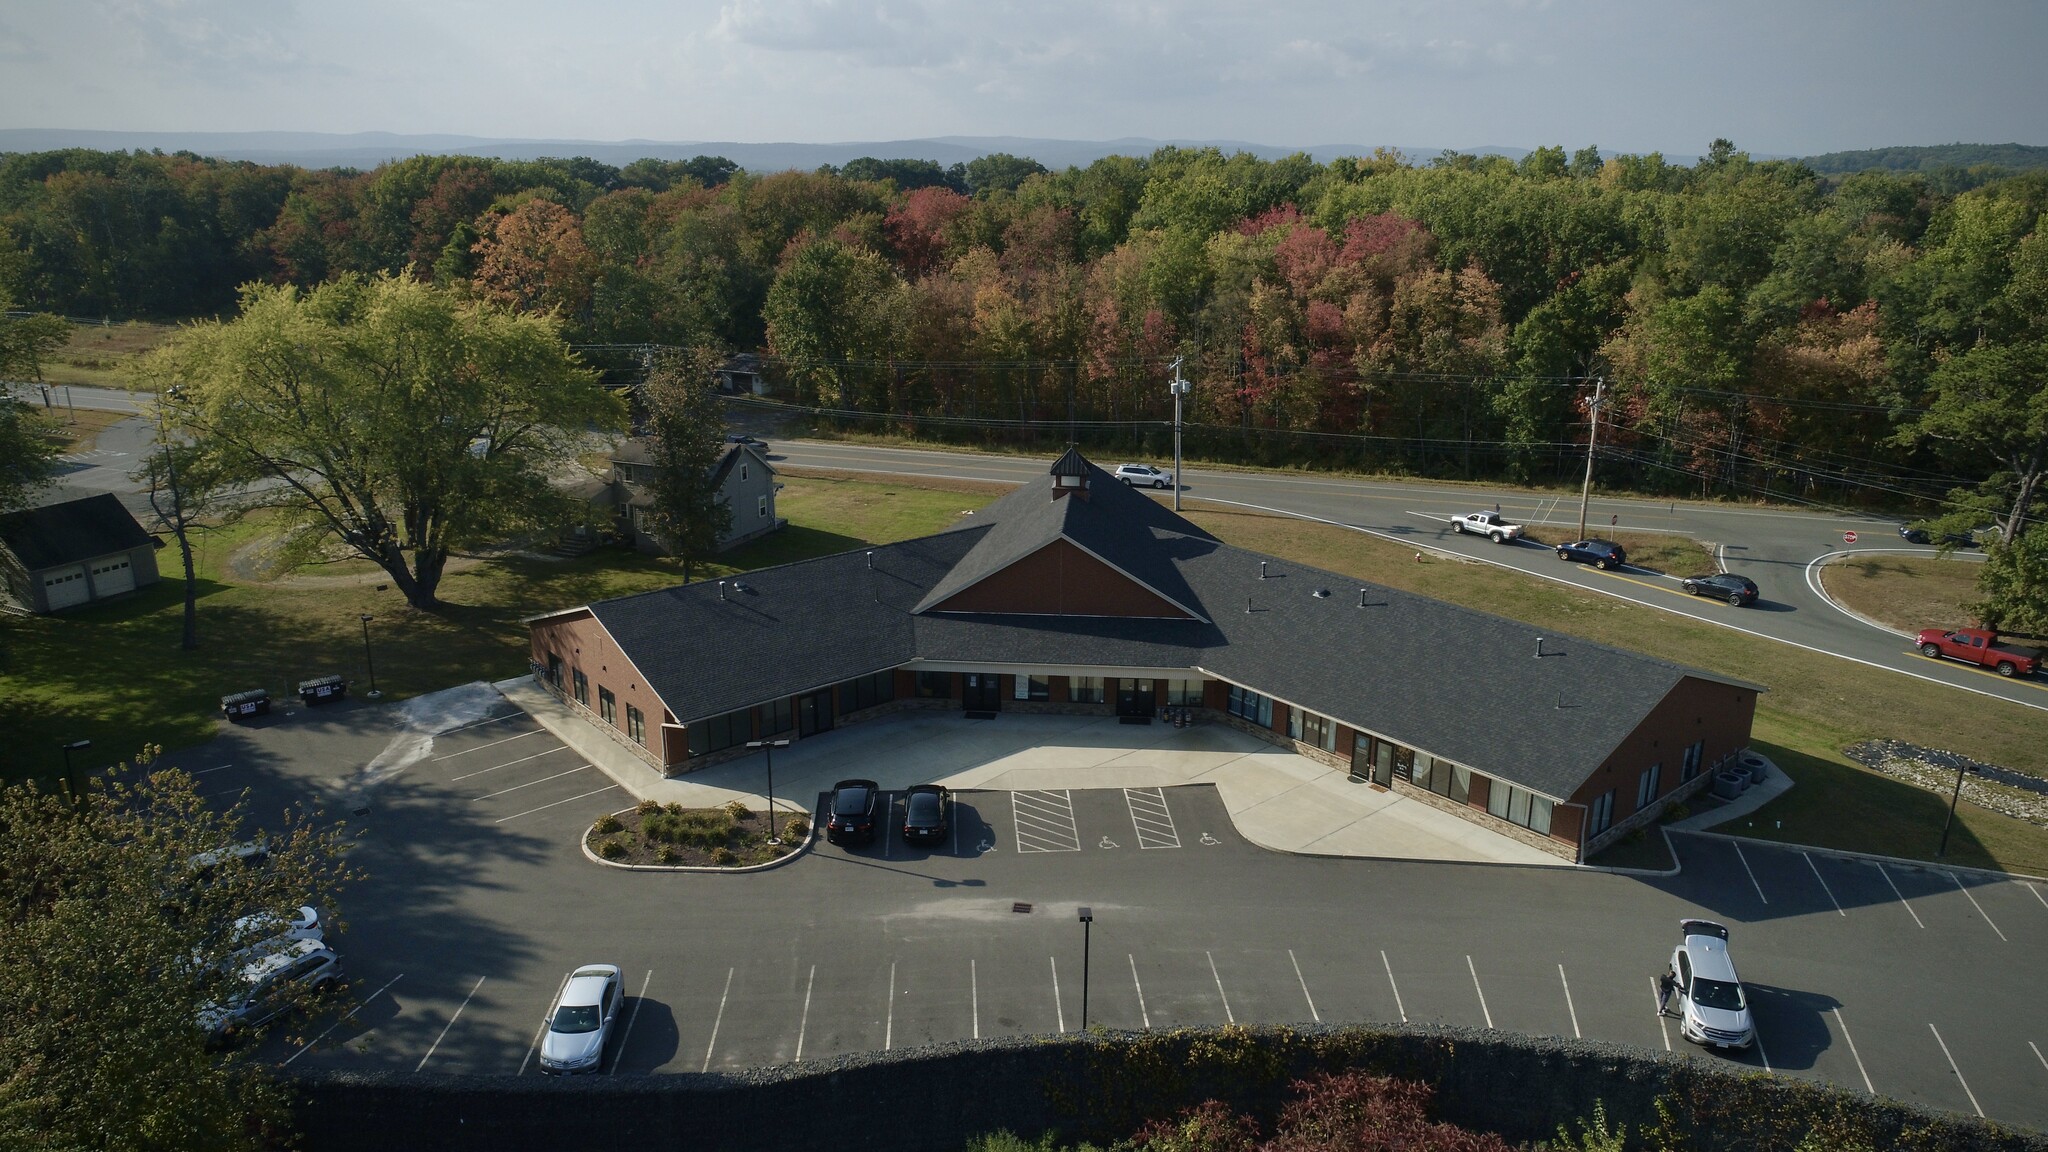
{"x":1304,"y":987}
{"x":451,"y":1023}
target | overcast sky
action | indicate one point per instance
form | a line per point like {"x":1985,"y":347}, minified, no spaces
{"x":1776,"y":76}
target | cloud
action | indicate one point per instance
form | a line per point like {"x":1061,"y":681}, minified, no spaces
{"x":199,"y":35}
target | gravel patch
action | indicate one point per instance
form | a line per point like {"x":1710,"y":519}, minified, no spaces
{"x":2003,"y":790}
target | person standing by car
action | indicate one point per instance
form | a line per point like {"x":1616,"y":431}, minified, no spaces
{"x":1666,"y":985}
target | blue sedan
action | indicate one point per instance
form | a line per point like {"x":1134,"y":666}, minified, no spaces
{"x":1598,"y":553}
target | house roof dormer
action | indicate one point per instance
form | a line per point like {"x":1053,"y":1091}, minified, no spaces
{"x":1111,"y":553}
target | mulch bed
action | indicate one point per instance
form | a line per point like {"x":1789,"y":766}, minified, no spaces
{"x":674,"y":836}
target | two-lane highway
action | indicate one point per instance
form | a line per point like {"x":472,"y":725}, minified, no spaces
{"x":1780,"y":549}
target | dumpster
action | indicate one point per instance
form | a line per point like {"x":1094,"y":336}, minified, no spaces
{"x":321,"y":689}
{"x":254,"y":702}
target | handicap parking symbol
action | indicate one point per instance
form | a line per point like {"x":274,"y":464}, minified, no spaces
{"x":1208,"y":839}
{"x":1107,"y":843}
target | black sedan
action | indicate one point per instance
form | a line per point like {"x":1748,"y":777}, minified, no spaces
{"x":851,"y":811}
{"x":924,"y":813}
{"x":1598,"y":553}
{"x":1737,"y":590}
{"x":1914,"y":535}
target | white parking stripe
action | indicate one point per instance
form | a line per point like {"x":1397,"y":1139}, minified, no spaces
{"x":1860,"y":1070}
{"x":974,"y":993}
{"x":556,"y":804}
{"x":1142,"y":1014}
{"x":1396,"y":987}
{"x":451,"y":1023}
{"x":1958,"y":1071}
{"x":1483,"y":1009}
{"x":804,"y":1024}
{"x":492,"y":744}
{"x":2037,"y":1055}
{"x":1059,"y":1010}
{"x":1568,"y":1002}
{"x":889,"y":1029}
{"x":351,"y":1012}
{"x":542,"y":1030}
{"x":1151,"y":818}
{"x":1760,"y":1053}
{"x":2036,"y":892}
{"x":1823,"y":882}
{"x":1752,"y":875}
{"x":1218,"y":977}
{"x":717,"y":1020}
{"x":1304,"y":987}
{"x":634,"y":1015}
{"x":509,"y":763}
{"x":481,"y":723}
{"x":1980,"y":910}
{"x":1895,"y":891}
{"x":1655,"y":1002}
{"x":209,"y":771}
{"x":528,"y":784}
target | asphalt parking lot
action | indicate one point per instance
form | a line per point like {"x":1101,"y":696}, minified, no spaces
{"x":1912,"y":982}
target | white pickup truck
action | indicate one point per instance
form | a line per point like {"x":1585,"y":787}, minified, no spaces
{"x":1488,"y":524}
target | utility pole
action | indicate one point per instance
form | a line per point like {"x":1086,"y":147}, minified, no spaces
{"x":1179,"y":388}
{"x":1586,"y":490}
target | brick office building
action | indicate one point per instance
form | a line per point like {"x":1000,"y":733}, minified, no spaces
{"x":1076,"y":594}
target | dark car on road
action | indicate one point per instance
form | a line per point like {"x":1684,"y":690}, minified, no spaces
{"x":924,"y":813}
{"x":1913,"y":535}
{"x":760,"y":446}
{"x":1737,"y":590}
{"x":851,"y":817}
{"x":1598,"y":553}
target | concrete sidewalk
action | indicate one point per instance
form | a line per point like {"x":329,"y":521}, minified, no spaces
{"x":1276,"y":799}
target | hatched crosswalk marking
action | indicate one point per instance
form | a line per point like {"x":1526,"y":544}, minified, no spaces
{"x":1151,"y":818}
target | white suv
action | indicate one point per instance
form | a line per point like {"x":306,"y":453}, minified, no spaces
{"x":265,"y":973}
{"x":1144,"y":474}
{"x":1711,"y":1007}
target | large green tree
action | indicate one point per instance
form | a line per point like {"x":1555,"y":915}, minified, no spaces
{"x":391,"y":416}
{"x":688,"y":436}
{"x":1989,"y":409}
{"x":28,"y":454}
{"x":111,"y":945}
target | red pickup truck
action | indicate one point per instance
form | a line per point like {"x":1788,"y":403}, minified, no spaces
{"x":1979,"y":646}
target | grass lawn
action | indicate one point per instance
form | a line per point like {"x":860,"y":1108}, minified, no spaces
{"x":1907,"y":592}
{"x":76,"y":432}
{"x":1816,"y":705}
{"x":96,"y":353}
{"x":114,"y":673}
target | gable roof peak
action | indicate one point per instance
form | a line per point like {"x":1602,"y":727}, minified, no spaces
{"x":1070,"y":463}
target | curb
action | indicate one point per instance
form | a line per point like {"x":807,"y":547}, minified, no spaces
{"x":1820,"y":585}
{"x":779,"y":861}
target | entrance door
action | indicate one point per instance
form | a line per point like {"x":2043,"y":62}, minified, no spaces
{"x":1134,"y":698}
{"x":983,"y":692}
{"x":1372,"y":760}
{"x":814,"y":713}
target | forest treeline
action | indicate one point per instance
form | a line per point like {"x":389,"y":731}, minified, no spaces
{"x":1760,"y":327}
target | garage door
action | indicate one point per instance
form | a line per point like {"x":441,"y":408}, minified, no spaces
{"x":63,"y":587}
{"x":111,"y":576}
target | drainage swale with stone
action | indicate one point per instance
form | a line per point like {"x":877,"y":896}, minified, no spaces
{"x":674,"y":836}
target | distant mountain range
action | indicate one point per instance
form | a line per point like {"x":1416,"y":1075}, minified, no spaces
{"x":369,"y":149}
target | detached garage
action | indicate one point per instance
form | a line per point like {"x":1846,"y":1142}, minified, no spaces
{"x":59,"y":556}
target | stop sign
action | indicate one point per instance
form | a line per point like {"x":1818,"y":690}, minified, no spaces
{"x":1848,"y":537}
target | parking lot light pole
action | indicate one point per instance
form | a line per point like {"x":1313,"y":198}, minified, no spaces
{"x":77,"y":793}
{"x":367,"y":662}
{"x":768,"y":748}
{"x":1087,"y":926}
{"x":1950,"y":822}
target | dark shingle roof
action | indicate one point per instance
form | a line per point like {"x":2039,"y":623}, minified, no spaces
{"x":1113,"y":522}
{"x":71,"y":532}
{"x":1454,"y":682}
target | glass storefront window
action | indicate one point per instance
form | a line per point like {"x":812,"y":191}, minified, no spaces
{"x":1184,"y":693}
{"x":1033,"y":687}
{"x":935,"y":685}
{"x":1084,"y":689}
